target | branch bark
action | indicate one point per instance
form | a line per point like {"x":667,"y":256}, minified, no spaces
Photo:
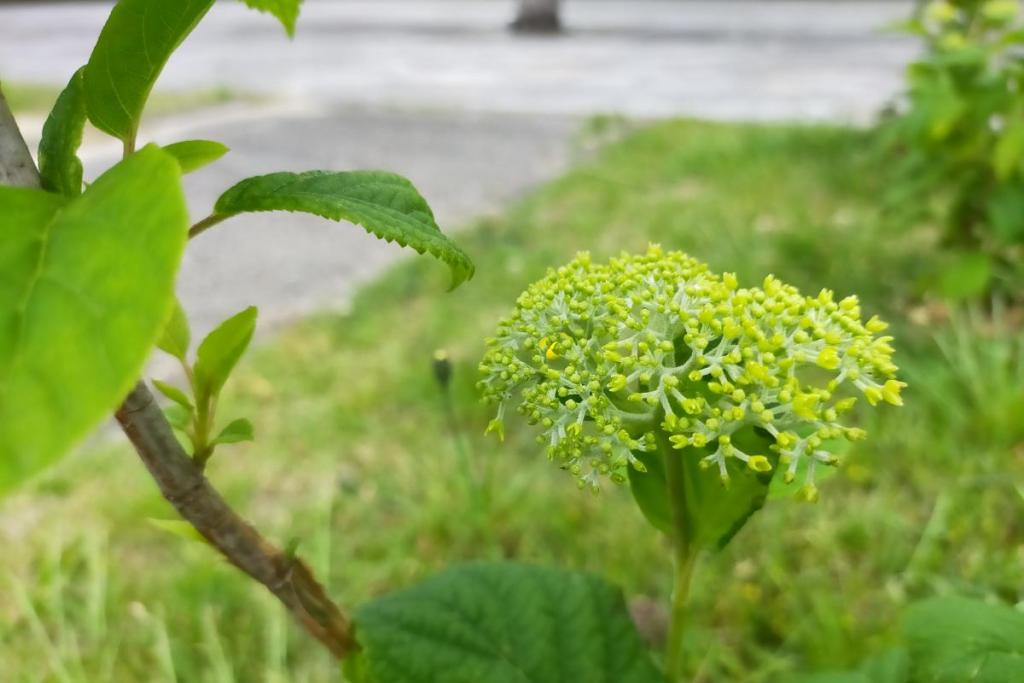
{"x":191,"y":494}
{"x":16,"y":165}
{"x":183,"y":484}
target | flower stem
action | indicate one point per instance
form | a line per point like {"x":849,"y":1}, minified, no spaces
{"x":675,"y":655}
{"x":684,"y":557}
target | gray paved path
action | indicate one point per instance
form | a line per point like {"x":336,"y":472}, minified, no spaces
{"x":436,"y":89}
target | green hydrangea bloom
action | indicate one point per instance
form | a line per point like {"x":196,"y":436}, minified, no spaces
{"x":603,"y":355}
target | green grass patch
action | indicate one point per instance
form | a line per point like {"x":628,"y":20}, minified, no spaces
{"x":38,"y":99}
{"x":354,"y":456}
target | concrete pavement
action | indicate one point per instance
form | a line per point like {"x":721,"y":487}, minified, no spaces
{"x":439,"y":91}
{"x":719,"y":58}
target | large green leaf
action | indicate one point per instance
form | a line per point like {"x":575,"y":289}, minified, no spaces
{"x":501,"y":623}
{"x":60,"y":169}
{"x":129,"y":55}
{"x":714,"y":513}
{"x":286,"y":11}
{"x":86,"y":285}
{"x":956,"y":639}
{"x":385,"y":204}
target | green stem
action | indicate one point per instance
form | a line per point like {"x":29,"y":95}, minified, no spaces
{"x":206,"y":407}
{"x":675,"y":655}
{"x":207,"y":223}
{"x":684,"y":556}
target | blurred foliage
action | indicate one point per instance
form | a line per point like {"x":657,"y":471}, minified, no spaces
{"x":356,"y":457}
{"x":958,"y":143}
{"x":948,"y":640}
{"x":38,"y":99}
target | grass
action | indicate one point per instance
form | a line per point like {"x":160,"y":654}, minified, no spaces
{"x":354,"y":456}
{"x":38,"y":99}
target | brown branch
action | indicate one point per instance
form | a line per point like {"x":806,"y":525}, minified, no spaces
{"x":185,"y":487}
{"x":183,"y":484}
{"x":16,"y":165}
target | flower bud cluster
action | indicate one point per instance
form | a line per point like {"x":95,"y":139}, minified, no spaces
{"x":654,"y":349}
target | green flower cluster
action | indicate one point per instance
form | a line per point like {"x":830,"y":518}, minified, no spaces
{"x":614,"y":359}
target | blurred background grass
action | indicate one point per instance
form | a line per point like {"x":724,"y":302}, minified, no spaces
{"x":354,"y":457}
{"x":38,"y":99}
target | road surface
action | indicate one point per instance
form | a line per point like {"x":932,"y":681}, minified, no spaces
{"x":439,"y":91}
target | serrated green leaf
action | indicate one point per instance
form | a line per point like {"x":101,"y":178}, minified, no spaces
{"x":60,"y":169}
{"x":129,"y":55}
{"x":176,"y":335}
{"x":501,"y":622}
{"x":386,"y":205}
{"x":174,"y":393}
{"x":286,"y":11}
{"x":237,"y":431}
{"x":219,"y":352}
{"x":954,"y":639}
{"x":715,"y":513}
{"x":86,"y":287}
{"x":194,"y":154}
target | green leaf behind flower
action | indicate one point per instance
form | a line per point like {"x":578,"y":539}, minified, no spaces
{"x":714,"y":512}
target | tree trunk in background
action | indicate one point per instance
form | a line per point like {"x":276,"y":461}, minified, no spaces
{"x":537,"y":16}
